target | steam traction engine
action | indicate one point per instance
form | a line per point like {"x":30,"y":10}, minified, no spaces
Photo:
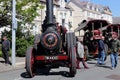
{"x":53,"y":48}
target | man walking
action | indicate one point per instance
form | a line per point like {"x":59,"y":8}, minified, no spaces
{"x":114,"y":48}
{"x":101,"y":51}
{"x":5,"y":49}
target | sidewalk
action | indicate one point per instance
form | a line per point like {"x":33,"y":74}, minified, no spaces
{"x":20,"y":63}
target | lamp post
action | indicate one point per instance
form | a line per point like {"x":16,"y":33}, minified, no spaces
{"x":14,"y":27}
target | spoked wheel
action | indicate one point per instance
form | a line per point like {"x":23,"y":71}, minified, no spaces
{"x":30,"y":62}
{"x":72,"y":62}
{"x":72,"y":53}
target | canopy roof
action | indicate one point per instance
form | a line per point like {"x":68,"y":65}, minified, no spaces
{"x":113,"y":27}
{"x":95,"y":24}
{"x":92,"y":24}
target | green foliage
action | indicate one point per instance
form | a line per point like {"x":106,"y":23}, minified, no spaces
{"x":22,"y":44}
{"x":22,"y":41}
{"x":5,"y":12}
{"x":0,"y":51}
{"x":8,"y":34}
{"x":26,"y":11}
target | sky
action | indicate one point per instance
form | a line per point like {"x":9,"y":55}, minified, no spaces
{"x":114,"y":5}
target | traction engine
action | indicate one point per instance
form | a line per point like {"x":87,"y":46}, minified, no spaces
{"x":53,"y":48}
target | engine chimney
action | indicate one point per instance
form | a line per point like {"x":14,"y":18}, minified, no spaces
{"x":49,"y":12}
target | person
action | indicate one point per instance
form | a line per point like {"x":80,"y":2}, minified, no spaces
{"x":114,"y":48}
{"x":101,"y":51}
{"x":80,"y":54}
{"x":87,"y":40}
{"x":106,"y":47}
{"x":5,"y":49}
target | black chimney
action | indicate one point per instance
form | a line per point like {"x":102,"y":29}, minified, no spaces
{"x":49,"y":12}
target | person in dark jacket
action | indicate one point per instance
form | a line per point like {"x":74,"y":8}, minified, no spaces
{"x":114,"y":46}
{"x":101,"y":51}
{"x":5,"y":49}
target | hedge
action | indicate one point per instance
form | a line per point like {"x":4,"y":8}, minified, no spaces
{"x":21,"y":45}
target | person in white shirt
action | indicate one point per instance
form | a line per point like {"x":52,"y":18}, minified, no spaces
{"x":80,"y":54}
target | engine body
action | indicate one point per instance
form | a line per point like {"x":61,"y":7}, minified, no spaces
{"x":53,"y":48}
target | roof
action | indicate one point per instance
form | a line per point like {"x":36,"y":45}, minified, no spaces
{"x":97,"y":24}
{"x":81,"y":26}
{"x":69,"y":7}
{"x":88,"y":24}
{"x":77,"y":3}
{"x":113,"y":26}
{"x":83,"y":5}
{"x":116,"y":20}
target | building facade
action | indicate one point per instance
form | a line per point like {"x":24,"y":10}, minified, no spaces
{"x":62,"y":13}
{"x":84,"y":10}
{"x":38,"y":21}
{"x":71,"y":14}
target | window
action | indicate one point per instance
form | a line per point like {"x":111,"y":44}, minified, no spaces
{"x":93,"y":8}
{"x":70,"y":24}
{"x":61,"y":14}
{"x":88,"y":14}
{"x":96,"y":9}
{"x":70,"y":13}
{"x":88,"y":6}
{"x":91,"y":14}
{"x":65,"y":14}
{"x":63,"y":22}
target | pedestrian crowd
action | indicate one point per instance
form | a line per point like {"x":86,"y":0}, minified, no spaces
{"x":113,"y":49}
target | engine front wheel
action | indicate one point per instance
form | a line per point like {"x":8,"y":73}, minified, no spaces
{"x":72,"y":62}
{"x":30,"y":63}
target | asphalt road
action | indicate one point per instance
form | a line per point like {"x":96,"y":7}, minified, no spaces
{"x":95,"y":72}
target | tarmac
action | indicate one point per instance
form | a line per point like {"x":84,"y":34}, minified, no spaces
{"x":19,"y":64}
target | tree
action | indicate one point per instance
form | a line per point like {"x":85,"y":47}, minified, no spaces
{"x":26,"y":11}
{"x":5,"y":12}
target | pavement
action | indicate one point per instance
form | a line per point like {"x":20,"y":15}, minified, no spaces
{"x":20,"y":63}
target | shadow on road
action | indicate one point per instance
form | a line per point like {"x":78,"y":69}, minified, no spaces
{"x":104,"y":66}
{"x":46,"y":72}
{"x":91,"y":62}
{"x":1,"y":61}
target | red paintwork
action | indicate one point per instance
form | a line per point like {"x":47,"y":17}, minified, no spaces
{"x":58,"y":58}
